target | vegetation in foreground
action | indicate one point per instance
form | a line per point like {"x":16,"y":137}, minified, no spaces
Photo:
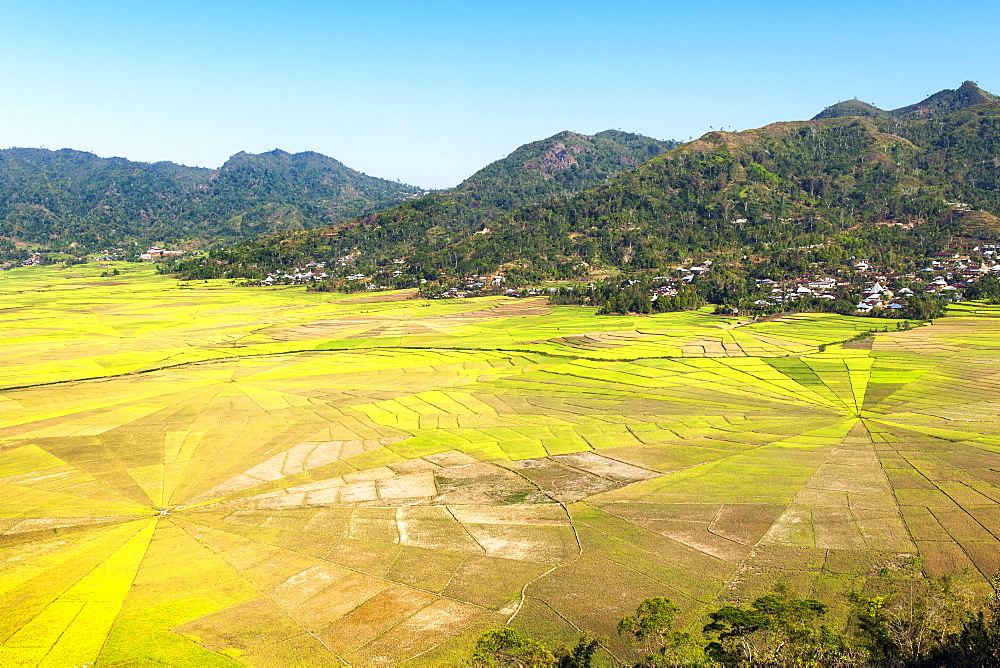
{"x":915,"y":622}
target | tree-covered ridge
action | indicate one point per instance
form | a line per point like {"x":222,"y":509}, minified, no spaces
{"x":56,"y":198}
{"x":297,"y":191}
{"x":721,"y":192}
{"x":877,"y":188}
{"x":942,"y":103}
{"x":46,"y":196}
{"x":946,"y":102}
{"x":886,"y":189}
{"x":425,"y":229}
{"x":563,"y":164}
{"x":852,"y":108}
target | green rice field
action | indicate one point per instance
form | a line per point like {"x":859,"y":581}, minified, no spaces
{"x":200,"y":474}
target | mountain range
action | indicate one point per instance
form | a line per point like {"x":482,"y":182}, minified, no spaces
{"x":939,"y":104}
{"x":70,"y":199}
{"x":894,"y":186}
{"x":63,"y":199}
{"x":854,"y":180}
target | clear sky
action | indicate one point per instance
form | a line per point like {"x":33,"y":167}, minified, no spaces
{"x":428,"y":92}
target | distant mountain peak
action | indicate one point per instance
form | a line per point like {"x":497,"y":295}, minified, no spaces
{"x":852,"y":108}
{"x":942,"y":103}
{"x":946,"y":102}
{"x":572,"y":159}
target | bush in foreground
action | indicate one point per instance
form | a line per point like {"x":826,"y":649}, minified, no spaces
{"x":913,"y":622}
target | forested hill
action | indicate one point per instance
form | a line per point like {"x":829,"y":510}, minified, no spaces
{"x":58,"y":198}
{"x":891,"y":188}
{"x":942,"y":103}
{"x":561,"y":165}
{"x":784,"y":186}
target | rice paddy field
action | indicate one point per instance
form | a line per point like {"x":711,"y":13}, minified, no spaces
{"x":198,"y":474}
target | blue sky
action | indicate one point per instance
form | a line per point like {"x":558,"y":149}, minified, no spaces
{"x":429,"y":92}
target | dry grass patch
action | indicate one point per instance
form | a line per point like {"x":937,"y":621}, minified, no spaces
{"x":373,"y":617}
{"x":246,"y":627}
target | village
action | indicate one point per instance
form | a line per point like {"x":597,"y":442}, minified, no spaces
{"x":870,"y":289}
{"x":947,"y":276}
{"x":152,"y":254}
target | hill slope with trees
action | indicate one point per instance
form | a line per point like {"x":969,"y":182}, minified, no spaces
{"x":64,"y":198}
{"x":941,"y":103}
{"x":819,"y":191}
{"x":558,"y":166}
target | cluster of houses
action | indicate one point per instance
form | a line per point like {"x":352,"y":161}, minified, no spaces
{"x":688,"y":274}
{"x":33,"y":259}
{"x":304,"y":275}
{"x":314,"y":272}
{"x":345,"y":260}
{"x":821,"y":287}
{"x":878,"y":297}
{"x":37,"y":258}
{"x":475,"y":286}
{"x":115,"y":254}
{"x":670,"y":286}
{"x":155,"y":253}
{"x":948,"y":273}
{"x":668,"y":290}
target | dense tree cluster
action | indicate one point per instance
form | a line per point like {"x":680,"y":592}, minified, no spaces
{"x":629,"y":296}
{"x":63,"y":199}
{"x":987,"y":288}
{"x":906,"y":622}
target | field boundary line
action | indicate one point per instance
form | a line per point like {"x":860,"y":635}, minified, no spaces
{"x":324,"y":559}
{"x":131,"y":587}
{"x":579,"y":551}
{"x":958,"y":505}
{"x":819,"y":348}
{"x":259,"y":591}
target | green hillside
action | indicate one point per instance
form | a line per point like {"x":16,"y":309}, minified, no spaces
{"x":946,"y":102}
{"x":784,"y":186}
{"x":941,"y":103}
{"x":852,"y":108}
{"x":57,"y":198}
{"x":565,"y":162}
{"x":424,"y":228}
{"x":889,"y":189}
{"x":562,"y":164}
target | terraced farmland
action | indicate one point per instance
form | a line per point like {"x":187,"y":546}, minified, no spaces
{"x":208,"y":475}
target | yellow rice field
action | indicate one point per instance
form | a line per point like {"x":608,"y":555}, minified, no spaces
{"x":198,"y":474}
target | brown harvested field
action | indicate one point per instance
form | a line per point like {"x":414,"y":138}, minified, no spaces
{"x":229,"y":629}
{"x":373,"y":617}
{"x":745,"y":523}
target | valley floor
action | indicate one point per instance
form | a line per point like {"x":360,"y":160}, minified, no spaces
{"x":199,"y":474}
